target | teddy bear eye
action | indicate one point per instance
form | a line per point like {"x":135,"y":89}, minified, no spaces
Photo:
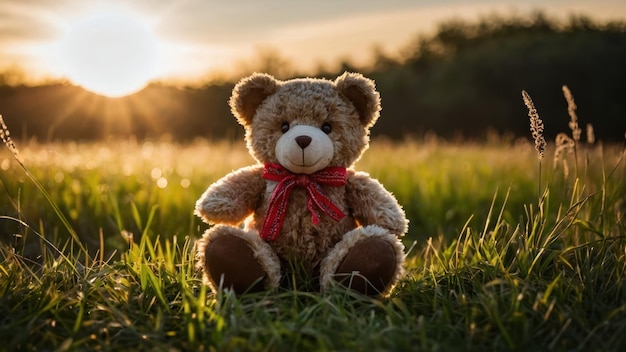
{"x":284,"y":127}
{"x":326,"y":127}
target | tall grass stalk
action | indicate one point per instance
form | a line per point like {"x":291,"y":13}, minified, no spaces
{"x":573,"y":123}
{"x":536,"y":128}
{"x":5,"y":136}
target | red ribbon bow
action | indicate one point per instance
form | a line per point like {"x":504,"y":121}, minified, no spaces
{"x":330,"y":176}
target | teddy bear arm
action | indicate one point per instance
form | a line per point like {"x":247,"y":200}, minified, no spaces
{"x":233,"y":198}
{"x":372,"y":204}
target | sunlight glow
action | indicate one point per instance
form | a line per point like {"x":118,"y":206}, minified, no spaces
{"x":110,"y":55}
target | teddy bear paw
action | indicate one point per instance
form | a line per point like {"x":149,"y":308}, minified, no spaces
{"x":369,"y":267}
{"x":368,"y":260}
{"x":232,"y":258}
{"x":230,"y":263}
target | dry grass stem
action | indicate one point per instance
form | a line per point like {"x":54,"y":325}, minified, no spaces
{"x":564,"y":144}
{"x":591,"y":136}
{"x":536,"y":125}
{"x":571,"y":110}
{"x":5,"y":135}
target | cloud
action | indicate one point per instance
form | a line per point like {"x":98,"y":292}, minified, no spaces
{"x":22,"y":21}
{"x":202,"y":34}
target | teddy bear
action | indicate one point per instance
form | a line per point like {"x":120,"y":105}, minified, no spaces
{"x":303,"y":205}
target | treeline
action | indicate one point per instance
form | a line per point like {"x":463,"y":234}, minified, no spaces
{"x":463,"y":81}
{"x":468,"y":77}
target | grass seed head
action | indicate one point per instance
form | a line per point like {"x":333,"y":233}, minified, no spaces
{"x":536,"y":125}
{"x":591,"y":137}
{"x":571,"y":110}
{"x":5,"y":135}
{"x":564,"y":144}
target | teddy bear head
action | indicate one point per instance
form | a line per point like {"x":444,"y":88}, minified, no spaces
{"x":306,"y":124}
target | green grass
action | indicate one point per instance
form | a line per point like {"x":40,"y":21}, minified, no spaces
{"x":493,"y":266}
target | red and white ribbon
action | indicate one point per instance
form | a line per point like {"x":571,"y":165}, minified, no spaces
{"x":330,"y":176}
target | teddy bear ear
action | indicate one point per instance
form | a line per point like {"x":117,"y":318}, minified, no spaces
{"x":249,"y":93}
{"x":361,"y":91}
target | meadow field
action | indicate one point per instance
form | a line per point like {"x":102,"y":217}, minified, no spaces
{"x":504,"y":254}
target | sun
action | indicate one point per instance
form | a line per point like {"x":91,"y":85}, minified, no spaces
{"x":110,"y":54}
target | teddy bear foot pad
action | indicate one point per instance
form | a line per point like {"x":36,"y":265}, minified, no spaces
{"x":231,"y":264}
{"x":369,"y":266}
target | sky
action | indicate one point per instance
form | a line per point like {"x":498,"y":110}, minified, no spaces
{"x":195,"y":37}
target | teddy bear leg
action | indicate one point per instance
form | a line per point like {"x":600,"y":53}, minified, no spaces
{"x":368,"y":260}
{"x":232,"y":258}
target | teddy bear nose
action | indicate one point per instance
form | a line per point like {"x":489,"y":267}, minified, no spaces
{"x":303,"y":141}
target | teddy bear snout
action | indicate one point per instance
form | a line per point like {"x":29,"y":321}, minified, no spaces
{"x":304,"y":149}
{"x":303,"y":141}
